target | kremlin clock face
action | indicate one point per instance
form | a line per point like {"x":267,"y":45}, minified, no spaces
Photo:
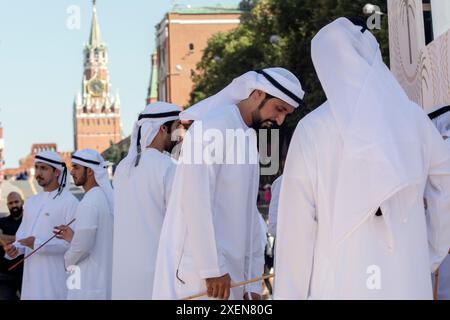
{"x":96,"y":87}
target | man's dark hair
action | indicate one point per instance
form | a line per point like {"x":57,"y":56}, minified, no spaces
{"x":168,"y":124}
{"x":267,"y":98}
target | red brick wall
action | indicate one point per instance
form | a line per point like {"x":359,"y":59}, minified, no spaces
{"x":180,"y":36}
{"x":97,"y":133}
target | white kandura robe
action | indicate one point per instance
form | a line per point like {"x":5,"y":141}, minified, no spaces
{"x":140,"y":204}
{"x":212,"y":225}
{"x":442,"y":123}
{"x":44,"y":276}
{"x":367,"y":147}
{"x":91,"y":247}
{"x":309,"y":265}
{"x":273,"y":206}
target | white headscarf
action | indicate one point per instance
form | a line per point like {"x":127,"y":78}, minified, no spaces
{"x":380,"y":127}
{"x":149,"y":122}
{"x":54,"y":160}
{"x":92,"y":159}
{"x":277,"y":82}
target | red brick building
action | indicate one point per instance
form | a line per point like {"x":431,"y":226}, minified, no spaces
{"x":96,"y":111}
{"x":181,"y":37}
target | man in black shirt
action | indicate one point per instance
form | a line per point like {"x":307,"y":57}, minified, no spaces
{"x":10,"y":281}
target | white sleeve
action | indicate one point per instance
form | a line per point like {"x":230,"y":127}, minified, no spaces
{"x":273,"y":206}
{"x":255,"y":259}
{"x":84,"y":238}
{"x":297,"y":225}
{"x":437,"y":194}
{"x":71,"y":210}
{"x":198,"y":191}
{"x":168,"y":181}
{"x":55,"y":246}
{"x":20,"y":233}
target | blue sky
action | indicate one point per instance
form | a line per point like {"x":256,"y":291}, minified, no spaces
{"x":41,"y":64}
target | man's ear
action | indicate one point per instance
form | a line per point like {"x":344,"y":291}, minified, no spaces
{"x":90,"y":172}
{"x":257,"y":93}
{"x":163,"y":128}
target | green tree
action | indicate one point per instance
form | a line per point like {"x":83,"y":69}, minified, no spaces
{"x":113,"y":153}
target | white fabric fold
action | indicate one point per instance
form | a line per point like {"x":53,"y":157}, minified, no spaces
{"x":376,"y":120}
{"x":241,"y":88}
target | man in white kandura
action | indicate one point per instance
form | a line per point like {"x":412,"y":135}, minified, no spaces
{"x":44,"y":276}
{"x":441,"y":119}
{"x":142,"y":185}
{"x":211,"y":236}
{"x":91,"y":240}
{"x":351,"y":218}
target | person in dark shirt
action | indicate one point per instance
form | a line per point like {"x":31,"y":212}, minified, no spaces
{"x":10,"y":281}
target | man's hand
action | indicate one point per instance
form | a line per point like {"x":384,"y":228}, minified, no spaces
{"x":4,"y":238}
{"x":28,"y":242}
{"x":11,"y":251}
{"x":254,"y":296}
{"x":219,"y":287}
{"x":64,"y":232}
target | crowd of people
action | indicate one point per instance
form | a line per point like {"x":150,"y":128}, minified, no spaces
{"x":347,"y":219}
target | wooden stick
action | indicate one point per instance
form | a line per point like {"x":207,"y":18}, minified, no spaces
{"x":239,"y":284}
{"x":436,"y":283}
{"x":34,"y":251}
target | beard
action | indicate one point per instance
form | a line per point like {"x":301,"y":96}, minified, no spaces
{"x":16,"y":212}
{"x":41,"y":182}
{"x":170,"y":146}
{"x":82,"y":180}
{"x":258,"y":123}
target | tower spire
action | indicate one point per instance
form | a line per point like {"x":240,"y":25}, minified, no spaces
{"x":95,"y":37}
{"x":153,"y":87}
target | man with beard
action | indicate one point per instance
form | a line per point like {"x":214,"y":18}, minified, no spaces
{"x":44,"y":277}
{"x":212,"y":233}
{"x":91,"y":240}
{"x":142,"y":184}
{"x":10,"y":281}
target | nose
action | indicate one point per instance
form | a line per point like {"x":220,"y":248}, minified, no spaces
{"x":280,"y":119}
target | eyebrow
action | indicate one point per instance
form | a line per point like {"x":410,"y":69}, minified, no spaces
{"x":284,"y":108}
